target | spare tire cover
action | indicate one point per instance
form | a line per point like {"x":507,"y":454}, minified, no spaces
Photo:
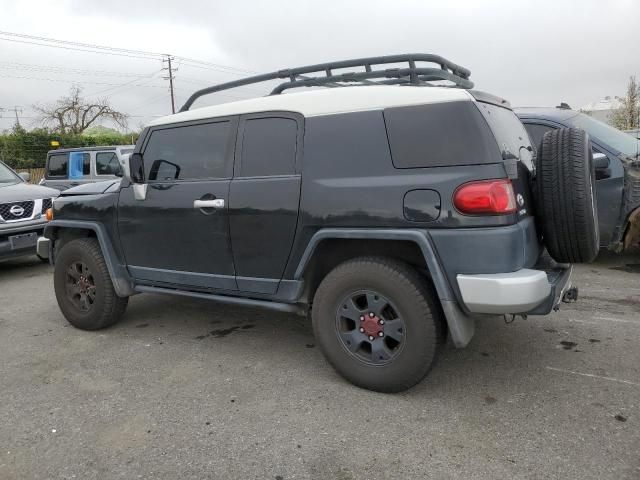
{"x":566,"y":196}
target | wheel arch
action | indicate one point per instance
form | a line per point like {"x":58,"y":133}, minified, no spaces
{"x":67,"y":230}
{"x":330,"y":247}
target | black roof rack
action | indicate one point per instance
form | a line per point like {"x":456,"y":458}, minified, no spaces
{"x":322,"y":75}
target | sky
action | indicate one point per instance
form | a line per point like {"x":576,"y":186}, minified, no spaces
{"x":533,"y":53}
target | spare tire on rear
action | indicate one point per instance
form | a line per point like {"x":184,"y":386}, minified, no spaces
{"x":565,"y":196}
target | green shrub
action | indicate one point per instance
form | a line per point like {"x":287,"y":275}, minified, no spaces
{"x":20,"y":148}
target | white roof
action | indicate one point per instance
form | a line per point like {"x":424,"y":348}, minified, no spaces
{"x":327,"y":101}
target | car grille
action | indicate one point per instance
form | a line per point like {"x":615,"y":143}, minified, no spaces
{"x":46,"y":204}
{"x":24,"y":210}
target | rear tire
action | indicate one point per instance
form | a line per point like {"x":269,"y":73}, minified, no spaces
{"x":83,"y":286}
{"x":565,"y":196}
{"x":403,"y":324}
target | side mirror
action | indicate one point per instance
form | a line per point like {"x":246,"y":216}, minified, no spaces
{"x":26,"y":176}
{"x":136,"y":168}
{"x":600,"y":161}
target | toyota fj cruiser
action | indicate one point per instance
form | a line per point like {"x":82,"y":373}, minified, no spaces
{"x":391,"y":208}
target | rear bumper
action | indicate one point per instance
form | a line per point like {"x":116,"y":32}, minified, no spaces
{"x":523,"y":291}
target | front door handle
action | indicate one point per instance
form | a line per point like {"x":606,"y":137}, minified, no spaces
{"x":215,"y":203}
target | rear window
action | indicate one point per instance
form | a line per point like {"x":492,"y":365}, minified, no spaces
{"x":439,"y":134}
{"x":57,"y":166}
{"x":508,"y":129}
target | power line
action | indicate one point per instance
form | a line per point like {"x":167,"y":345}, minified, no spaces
{"x":75,"y":81}
{"x":77,"y":49}
{"x":79,"y":44}
{"x":93,"y":48}
{"x":67,"y":70}
{"x":126,"y":85}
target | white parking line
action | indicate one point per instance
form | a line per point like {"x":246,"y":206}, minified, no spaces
{"x":605,"y":319}
{"x":591,"y":375}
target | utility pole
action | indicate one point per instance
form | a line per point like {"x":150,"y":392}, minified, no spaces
{"x":170,"y":77}
{"x":16,"y":110}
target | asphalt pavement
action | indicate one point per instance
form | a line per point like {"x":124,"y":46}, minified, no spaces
{"x":188,"y":389}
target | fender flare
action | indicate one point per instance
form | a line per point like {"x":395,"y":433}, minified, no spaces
{"x":120,"y":277}
{"x":461,"y":326}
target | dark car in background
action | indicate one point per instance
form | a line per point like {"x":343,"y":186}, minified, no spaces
{"x":617,"y":169}
{"x":22,"y":213}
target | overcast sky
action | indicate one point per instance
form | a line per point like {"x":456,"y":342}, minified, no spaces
{"x":530,"y":52}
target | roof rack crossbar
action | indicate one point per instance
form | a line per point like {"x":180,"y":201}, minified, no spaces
{"x":323,"y":75}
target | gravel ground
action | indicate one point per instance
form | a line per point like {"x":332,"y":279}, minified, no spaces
{"x":188,"y":389}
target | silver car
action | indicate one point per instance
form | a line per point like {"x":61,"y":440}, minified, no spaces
{"x":22,"y":213}
{"x":70,"y":167}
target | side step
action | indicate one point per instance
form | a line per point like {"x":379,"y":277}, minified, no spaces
{"x":247,"y":302}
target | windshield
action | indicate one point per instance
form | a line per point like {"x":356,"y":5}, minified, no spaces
{"x":7,"y":176}
{"x":623,"y":142}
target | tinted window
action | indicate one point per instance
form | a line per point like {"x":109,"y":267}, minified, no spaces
{"x":439,"y":134}
{"x":58,"y":165}
{"x":269,"y":147}
{"x":184,"y":153}
{"x":107,"y":163}
{"x":7,"y":176}
{"x":536,"y":132}
{"x":623,"y":142}
{"x":507,"y":128}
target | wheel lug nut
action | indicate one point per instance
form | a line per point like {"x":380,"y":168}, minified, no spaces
{"x":380,"y":334}
{"x":381,"y":322}
{"x":371,"y":337}
{"x":371,"y":314}
{"x":361,"y":330}
{"x":362,"y":318}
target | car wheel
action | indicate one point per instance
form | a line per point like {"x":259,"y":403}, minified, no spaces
{"x":566,"y":196}
{"x":83,"y":286}
{"x":378,"y":323}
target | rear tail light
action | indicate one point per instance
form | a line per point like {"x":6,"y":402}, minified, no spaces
{"x":493,"y":197}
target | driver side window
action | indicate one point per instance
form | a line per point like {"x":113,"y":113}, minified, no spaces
{"x":191,"y":152}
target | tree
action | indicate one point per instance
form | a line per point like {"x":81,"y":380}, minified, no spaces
{"x":74,"y":114}
{"x":627,"y":116}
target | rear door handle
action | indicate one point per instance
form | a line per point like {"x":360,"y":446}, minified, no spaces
{"x":215,"y":203}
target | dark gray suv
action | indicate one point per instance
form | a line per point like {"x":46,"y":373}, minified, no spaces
{"x":617,"y":170}
{"x":392,"y":209}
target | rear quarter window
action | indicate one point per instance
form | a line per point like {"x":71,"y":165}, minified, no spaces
{"x":439,"y":135}
{"x":507,"y":128}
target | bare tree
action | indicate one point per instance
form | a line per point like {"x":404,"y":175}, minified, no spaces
{"x":627,"y":116}
{"x":74,"y":114}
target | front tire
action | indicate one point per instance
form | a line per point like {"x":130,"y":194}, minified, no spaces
{"x":378,"y":323}
{"x":83,"y":286}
